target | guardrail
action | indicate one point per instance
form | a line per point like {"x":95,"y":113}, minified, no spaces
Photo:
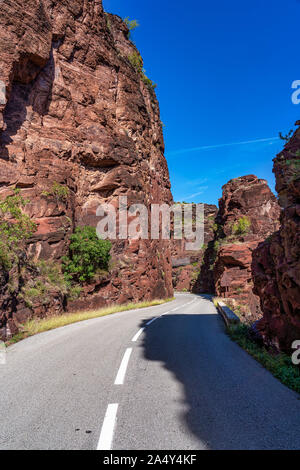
{"x":229,"y":317}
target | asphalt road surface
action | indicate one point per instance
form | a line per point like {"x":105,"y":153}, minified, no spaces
{"x":179,"y":383}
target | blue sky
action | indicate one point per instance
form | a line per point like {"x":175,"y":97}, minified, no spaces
{"x":224,"y":72}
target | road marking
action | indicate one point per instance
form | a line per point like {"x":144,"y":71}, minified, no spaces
{"x":166,"y":313}
{"x":181,"y":306}
{"x":123,"y":367}
{"x":107,"y":431}
{"x":109,"y":423}
{"x":151,"y":321}
{"x":136,"y":337}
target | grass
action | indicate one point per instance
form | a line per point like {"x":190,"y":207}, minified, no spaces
{"x":35,"y":326}
{"x":216,"y":301}
{"x":280,"y":365}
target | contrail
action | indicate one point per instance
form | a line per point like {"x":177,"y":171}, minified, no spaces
{"x":196,"y":194}
{"x":208,"y":147}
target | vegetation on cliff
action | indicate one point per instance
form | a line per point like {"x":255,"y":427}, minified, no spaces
{"x":15,"y":228}
{"x":87,"y":255}
{"x":37,"y":282}
{"x":137,"y":62}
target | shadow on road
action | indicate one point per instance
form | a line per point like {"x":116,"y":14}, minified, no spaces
{"x":230,"y":401}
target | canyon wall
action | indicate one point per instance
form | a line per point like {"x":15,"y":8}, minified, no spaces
{"x":248,"y":213}
{"x":187,"y":265}
{"x":276,"y":261}
{"x":77,"y":112}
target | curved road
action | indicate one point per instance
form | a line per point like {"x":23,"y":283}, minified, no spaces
{"x":181,"y":384}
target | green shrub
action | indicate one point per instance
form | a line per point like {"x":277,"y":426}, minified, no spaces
{"x":150,"y":84}
{"x":87,"y":255}
{"x":286,"y":137}
{"x":48,"y":278}
{"x":137,"y":62}
{"x":131,"y":25}
{"x":242,"y":226}
{"x":74,"y":293}
{"x":35,"y":291}
{"x":108,"y":24}
{"x":15,"y":228}
{"x":59,"y":191}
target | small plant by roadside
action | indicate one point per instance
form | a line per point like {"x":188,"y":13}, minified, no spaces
{"x":280,"y":365}
{"x":37,"y":325}
{"x":87,"y":255}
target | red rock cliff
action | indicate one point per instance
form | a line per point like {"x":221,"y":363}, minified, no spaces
{"x":248,"y":212}
{"x":188,"y":266}
{"x":276,"y":262}
{"x":78,"y":113}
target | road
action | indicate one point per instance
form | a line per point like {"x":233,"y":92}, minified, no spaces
{"x":181,"y":384}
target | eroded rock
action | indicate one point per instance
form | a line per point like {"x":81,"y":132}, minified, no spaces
{"x":78,"y":114}
{"x":276,"y":261}
{"x":248,"y":213}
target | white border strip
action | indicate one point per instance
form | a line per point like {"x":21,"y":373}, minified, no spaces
{"x":123,"y":367}
{"x":107,"y":431}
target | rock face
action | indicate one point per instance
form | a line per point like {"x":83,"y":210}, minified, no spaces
{"x":187,"y":265}
{"x":276,"y":262}
{"x":248,"y":213}
{"x":76,"y":112}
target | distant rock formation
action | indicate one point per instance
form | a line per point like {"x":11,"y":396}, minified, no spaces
{"x":187,"y":265}
{"x":79,"y":112}
{"x":248,"y":213}
{"x":276,"y":261}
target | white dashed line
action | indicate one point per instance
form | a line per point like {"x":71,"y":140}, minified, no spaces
{"x":151,"y":321}
{"x":109,"y":423}
{"x":182,"y":306}
{"x":107,"y":431}
{"x":136,"y":337}
{"x":166,"y":313}
{"x":123,"y":367}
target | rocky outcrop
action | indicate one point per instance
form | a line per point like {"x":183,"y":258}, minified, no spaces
{"x":188,"y":265}
{"x":77,"y":113}
{"x":276,"y":262}
{"x":248,"y":213}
